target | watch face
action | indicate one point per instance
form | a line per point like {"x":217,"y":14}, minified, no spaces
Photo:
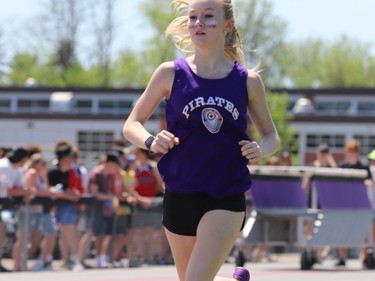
{"x":149,"y":141}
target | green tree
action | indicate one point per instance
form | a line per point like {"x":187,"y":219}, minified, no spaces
{"x":261,"y":28}
{"x":47,"y":73}
{"x":344,"y":63}
{"x":263,"y":35}
{"x":76,"y":38}
{"x":159,"y":48}
{"x":58,"y":28}
{"x":135,"y":68}
{"x":277,"y":103}
{"x":102,"y":18}
{"x":22,"y":67}
{"x":128,"y":70}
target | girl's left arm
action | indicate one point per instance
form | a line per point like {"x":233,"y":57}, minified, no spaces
{"x":158,"y":88}
{"x":262,"y":120}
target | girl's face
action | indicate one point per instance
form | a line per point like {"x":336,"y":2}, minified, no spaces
{"x":41,"y":167}
{"x":206,"y":21}
{"x":352,"y":156}
{"x":113,"y":167}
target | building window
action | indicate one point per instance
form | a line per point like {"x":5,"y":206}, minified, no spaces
{"x":115,"y":106}
{"x":93,"y":144}
{"x":366,"y":108}
{"x":290,"y":105}
{"x":333,"y":141}
{"x":333,"y":108}
{"x":125,"y":106}
{"x":83,"y":106}
{"x":343,"y":107}
{"x":4,"y":105}
{"x":367,"y":143}
{"x":33,"y":106}
{"x":106,"y":104}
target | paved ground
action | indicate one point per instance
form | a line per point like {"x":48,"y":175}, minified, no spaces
{"x":285,"y":269}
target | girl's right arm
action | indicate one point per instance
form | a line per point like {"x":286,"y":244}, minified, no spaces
{"x":159,"y":87}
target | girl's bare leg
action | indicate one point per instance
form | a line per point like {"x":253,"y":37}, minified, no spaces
{"x":200,"y":257}
{"x":181,"y":247}
{"x":17,"y":252}
{"x":47,"y":246}
{"x":72,"y":239}
{"x":63,"y":244}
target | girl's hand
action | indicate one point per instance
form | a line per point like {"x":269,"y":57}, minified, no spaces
{"x":251,"y":150}
{"x":164,"y":141}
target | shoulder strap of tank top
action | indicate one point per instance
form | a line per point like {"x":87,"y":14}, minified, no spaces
{"x":242,"y":70}
{"x":181,"y":64}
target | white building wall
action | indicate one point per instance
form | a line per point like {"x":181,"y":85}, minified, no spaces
{"x":347,"y":129}
{"x":330,"y":128}
{"x":45,"y":133}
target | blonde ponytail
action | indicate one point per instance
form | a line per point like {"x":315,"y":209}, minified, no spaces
{"x":233,"y":46}
{"x":178,"y":30}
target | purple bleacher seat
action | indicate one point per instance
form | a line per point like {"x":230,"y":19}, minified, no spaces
{"x":341,"y":194}
{"x":278,"y":192}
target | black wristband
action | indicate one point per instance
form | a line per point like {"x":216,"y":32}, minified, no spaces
{"x":149,"y":141}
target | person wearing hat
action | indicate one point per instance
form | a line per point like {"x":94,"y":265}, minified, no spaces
{"x":124,"y":190}
{"x":68,"y":186}
{"x":38,"y":227}
{"x":101,"y":185}
{"x":324,"y":157}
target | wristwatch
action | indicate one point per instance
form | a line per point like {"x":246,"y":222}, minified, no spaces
{"x":149,"y":141}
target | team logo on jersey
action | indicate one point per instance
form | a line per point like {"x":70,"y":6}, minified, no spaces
{"x":212,"y":119}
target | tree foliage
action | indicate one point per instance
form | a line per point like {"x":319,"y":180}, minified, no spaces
{"x":59,"y":26}
{"x":72,"y":45}
{"x":74,"y":40}
{"x":159,"y":48}
{"x":47,"y":73}
{"x":343,"y":63}
{"x":135,"y":68}
{"x":102,"y":19}
{"x":277,"y":103}
{"x":263,"y":35}
{"x":129,"y":71}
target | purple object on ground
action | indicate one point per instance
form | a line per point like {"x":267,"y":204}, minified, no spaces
{"x":275,"y":192}
{"x":343,"y":194}
{"x":241,"y":274}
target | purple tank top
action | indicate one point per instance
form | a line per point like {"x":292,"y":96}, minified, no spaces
{"x":210,"y":117}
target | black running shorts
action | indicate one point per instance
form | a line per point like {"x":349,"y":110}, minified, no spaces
{"x":183,"y":212}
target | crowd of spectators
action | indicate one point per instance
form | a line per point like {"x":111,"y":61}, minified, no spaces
{"x":110,"y":213}
{"x":63,"y":211}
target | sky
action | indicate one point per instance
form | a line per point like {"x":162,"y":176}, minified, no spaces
{"x":327,"y":19}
